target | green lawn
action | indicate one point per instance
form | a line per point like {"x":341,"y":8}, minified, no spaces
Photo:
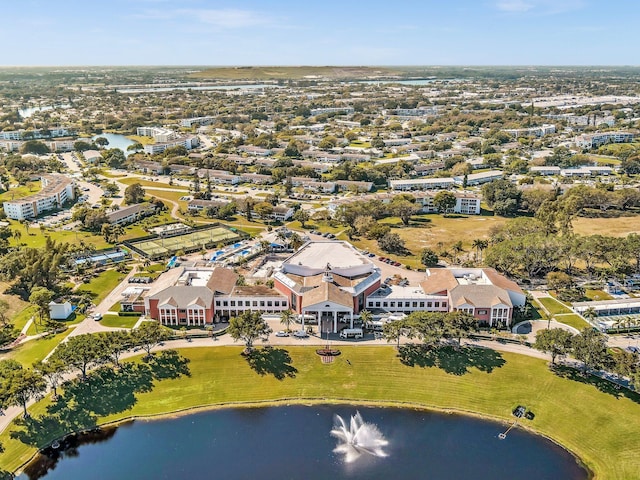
{"x":30,"y":188}
{"x":572,"y":319}
{"x":601,"y":427}
{"x":102,"y":285}
{"x":35,"y":350}
{"x":35,"y":239}
{"x":597,"y":295}
{"x":553,"y":306}
{"x":22,"y":317}
{"x":117,"y":321}
{"x":148,"y":183}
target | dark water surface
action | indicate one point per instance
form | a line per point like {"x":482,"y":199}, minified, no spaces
{"x":295,"y":443}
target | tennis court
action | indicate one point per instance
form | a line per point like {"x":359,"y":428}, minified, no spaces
{"x":207,"y":238}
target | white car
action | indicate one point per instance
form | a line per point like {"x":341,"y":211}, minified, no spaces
{"x":282,"y":333}
{"x":300,"y":334}
{"x":97,"y":316}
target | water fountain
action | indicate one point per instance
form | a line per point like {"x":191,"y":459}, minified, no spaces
{"x":357,"y":438}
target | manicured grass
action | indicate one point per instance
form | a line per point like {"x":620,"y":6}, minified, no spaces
{"x":20,"y":191}
{"x":35,"y":350}
{"x":22,"y":317}
{"x":601,"y":427}
{"x":553,"y":306}
{"x":117,"y":321}
{"x":572,"y":319}
{"x":597,"y":295}
{"x":102,"y":285}
{"x":35,"y":239}
{"x":142,"y":140}
{"x":147,"y":183}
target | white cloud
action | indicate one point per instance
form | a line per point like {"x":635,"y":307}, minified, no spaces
{"x":540,"y":7}
{"x":219,"y":18}
{"x":514,"y":6}
{"x":227,"y":18}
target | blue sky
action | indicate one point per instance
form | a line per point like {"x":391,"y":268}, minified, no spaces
{"x":327,"y":32}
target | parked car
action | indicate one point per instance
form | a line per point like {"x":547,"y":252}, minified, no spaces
{"x":282,"y":333}
{"x":97,"y":317}
{"x":300,"y":334}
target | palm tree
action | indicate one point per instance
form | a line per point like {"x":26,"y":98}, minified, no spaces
{"x":116,"y":231}
{"x":619,"y":323}
{"x":367,"y":317}
{"x":480,"y":245}
{"x":286,"y":319}
{"x":295,"y":241}
{"x":589,"y":314}
{"x":17,"y":234}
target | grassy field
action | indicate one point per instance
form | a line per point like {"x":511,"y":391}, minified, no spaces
{"x":616,"y":227}
{"x":572,"y":319}
{"x":286,"y":73}
{"x":597,"y":295}
{"x":116,"y":321}
{"x":102,"y":285}
{"x":431,"y":231}
{"x":148,"y":183}
{"x":35,"y":350}
{"x":601,"y":427}
{"x":35,"y":239}
{"x":21,"y":191}
{"x":141,"y":140}
{"x":553,"y":306}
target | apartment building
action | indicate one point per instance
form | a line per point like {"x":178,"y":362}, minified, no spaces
{"x":56,"y":191}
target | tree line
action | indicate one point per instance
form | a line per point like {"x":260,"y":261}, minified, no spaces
{"x":590,"y":348}
{"x":19,"y":385}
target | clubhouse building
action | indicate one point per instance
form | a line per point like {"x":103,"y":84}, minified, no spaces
{"x":328,"y":283}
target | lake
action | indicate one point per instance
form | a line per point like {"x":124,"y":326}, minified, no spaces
{"x":116,"y":141}
{"x":296,"y":443}
{"x":27,"y":112}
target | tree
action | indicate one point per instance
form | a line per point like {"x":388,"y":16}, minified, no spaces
{"x":112,"y":188}
{"x":444,"y":201}
{"x":292,"y":150}
{"x":590,"y":314}
{"x":264,"y":210}
{"x":53,"y":372}
{"x":149,"y":335}
{"x":480,"y":245}
{"x":19,"y":385}
{"x":35,"y":147}
{"x":101,"y":141}
{"x":115,"y":344}
{"x":555,"y":341}
{"x":366,"y":317}
{"x":40,"y":297}
{"x":82,"y":146}
{"x":248,"y":327}
{"x":134,"y":193}
{"x":427,"y":326}
{"x":459,"y":325}
{"x":428,"y":257}
{"x":590,"y":347}
{"x":287,"y":318}
{"x":302,"y":216}
{"x":80,"y":352}
{"x":227,"y":211}
{"x":392,"y":331}
{"x":391,"y":242}
{"x":503,"y":196}
{"x":404,"y":208}
{"x":559,"y":281}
